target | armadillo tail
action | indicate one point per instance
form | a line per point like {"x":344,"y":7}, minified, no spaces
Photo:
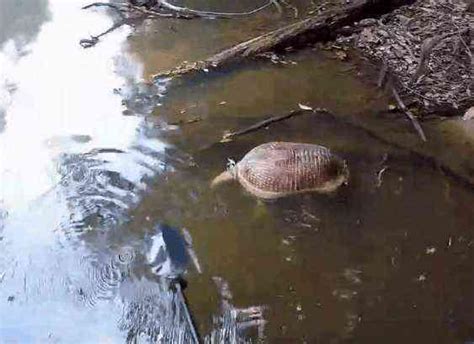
{"x":224,"y":177}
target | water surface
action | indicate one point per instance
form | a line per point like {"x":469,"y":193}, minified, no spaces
{"x":92,"y":159}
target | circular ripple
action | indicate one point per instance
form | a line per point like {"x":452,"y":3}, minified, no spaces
{"x":125,"y":256}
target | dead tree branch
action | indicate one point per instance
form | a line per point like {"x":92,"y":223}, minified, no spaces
{"x":428,"y":46}
{"x":164,"y":4}
{"x":408,"y":113}
{"x":90,"y":42}
{"x":262,"y":124}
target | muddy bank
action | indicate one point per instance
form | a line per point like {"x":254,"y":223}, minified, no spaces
{"x":428,"y":48}
{"x":423,"y":49}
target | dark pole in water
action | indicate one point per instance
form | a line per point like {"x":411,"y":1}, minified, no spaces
{"x":169,"y":246}
{"x":189,"y":319}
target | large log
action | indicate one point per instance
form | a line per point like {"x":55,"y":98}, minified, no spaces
{"x":313,"y":29}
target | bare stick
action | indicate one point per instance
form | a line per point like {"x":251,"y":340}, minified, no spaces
{"x":291,"y":7}
{"x":153,"y":13}
{"x":118,"y":8}
{"x":90,"y":42}
{"x":209,"y":14}
{"x":102,"y":4}
{"x":428,"y":46}
{"x":408,"y":113}
{"x":380,"y":176}
{"x":383,"y":73}
{"x":267,"y":122}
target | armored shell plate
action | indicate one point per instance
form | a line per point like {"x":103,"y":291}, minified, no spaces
{"x":280,"y":168}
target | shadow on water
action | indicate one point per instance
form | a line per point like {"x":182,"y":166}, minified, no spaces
{"x":90,"y":164}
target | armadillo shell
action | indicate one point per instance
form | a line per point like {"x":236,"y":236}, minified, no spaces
{"x":276,"y":169}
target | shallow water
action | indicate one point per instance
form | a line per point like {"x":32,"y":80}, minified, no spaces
{"x":90,"y":162}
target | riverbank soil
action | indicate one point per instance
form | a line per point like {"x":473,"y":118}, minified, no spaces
{"x":429,"y":48}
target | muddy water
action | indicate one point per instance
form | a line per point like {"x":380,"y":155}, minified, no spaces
{"x":91,"y":160}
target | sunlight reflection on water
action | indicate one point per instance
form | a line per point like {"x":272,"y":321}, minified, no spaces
{"x":70,"y":161}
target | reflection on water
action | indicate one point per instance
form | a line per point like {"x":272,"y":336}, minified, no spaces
{"x":72,"y":165}
{"x":20,"y":20}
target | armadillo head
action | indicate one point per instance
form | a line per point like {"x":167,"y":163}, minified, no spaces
{"x":228,"y":175}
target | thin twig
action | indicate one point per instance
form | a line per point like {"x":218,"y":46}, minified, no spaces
{"x":408,"y":113}
{"x":154,"y":13}
{"x":262,"y":124}
{"x":277,"y":6}
{"x":89,"y":43}
{"x":291,"y":7}
{"x":428,"y":46}
{"x":382,"y":75}
{"x":380,"y":176}
{"x":117,"y":8}
{"x":209,"y":14}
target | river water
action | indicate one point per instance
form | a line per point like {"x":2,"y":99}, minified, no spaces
{"x":93,"y":160}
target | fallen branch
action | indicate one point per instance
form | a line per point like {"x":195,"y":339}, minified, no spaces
{"x":262,"y":124}
{"x":428,"y":46}
{"x":90,"y":42}
{"x":117,"y":8}
{"x":408,"y":113}
{"x":153,"y":13}
{"x":209,"y":14}
{"x":316,"y":28}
